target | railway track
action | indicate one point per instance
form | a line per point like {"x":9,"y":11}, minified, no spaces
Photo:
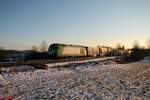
{"x":38,"y":63}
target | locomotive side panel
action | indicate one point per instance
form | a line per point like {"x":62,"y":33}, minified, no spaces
{"x":73,"y":51}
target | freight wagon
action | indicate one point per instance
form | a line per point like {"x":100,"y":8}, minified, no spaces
{"x":91,"y":51}
{"x":104,"y":50}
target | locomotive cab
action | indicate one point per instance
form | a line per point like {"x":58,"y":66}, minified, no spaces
{"x":53,"y":50}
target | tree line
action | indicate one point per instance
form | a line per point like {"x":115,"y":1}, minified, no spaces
{"x":38,"y":53}
{"x":42,"y":48}
{"x":41,"y":51}
{"x":139,"y":52}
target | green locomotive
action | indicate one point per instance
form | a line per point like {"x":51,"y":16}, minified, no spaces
{"x":64,"y":50}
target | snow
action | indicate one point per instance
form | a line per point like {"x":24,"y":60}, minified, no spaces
{"x":146,"y":60}
{"x":90,"y":80}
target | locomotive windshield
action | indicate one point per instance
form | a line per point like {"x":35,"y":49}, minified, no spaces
{"x":53,"y":49}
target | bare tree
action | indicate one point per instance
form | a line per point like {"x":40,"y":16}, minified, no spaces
{"x":43,"y":46}
{"x":119,"y":46}
{"x":34,"y":48}
{"x":148,"y":43}
{"x":1,"y":48}
{"x":136,"y":44}
{"x":2,"y":54}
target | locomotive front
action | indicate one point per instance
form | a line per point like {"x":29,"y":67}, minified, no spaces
{"x":55,"y":50}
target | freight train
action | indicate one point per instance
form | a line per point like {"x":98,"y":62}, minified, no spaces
{"x":66,"y":50}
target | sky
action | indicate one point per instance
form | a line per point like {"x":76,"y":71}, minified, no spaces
{"x":24,"y":23}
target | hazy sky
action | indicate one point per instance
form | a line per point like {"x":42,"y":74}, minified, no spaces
{"x":24,"y":23}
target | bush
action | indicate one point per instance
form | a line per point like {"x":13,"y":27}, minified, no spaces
{"x":37,"y":55}
{"x":138,"y":53}
{"x":3,"y":55}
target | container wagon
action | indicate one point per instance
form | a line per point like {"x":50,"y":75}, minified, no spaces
{"x":91,"y":51}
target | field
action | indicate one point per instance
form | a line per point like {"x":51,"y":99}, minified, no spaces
{"x":90,"y":80}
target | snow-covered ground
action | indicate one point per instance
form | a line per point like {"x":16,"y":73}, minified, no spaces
{"x":91,"y":80}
